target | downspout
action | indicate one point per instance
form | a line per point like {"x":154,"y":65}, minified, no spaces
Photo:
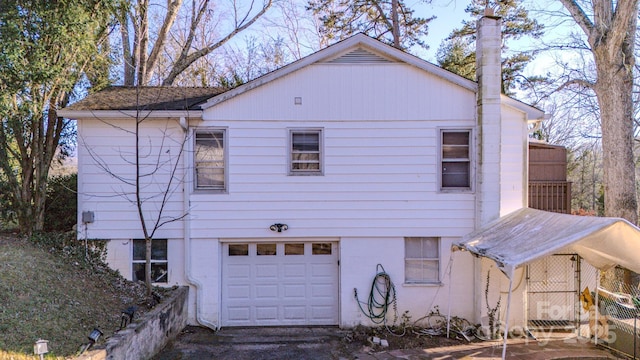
{"x":186,"y":229}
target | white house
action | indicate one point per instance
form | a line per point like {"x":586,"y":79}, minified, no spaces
{"x":288,"y":191}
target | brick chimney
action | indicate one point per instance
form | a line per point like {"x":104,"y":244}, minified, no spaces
{"x":488,"y":73}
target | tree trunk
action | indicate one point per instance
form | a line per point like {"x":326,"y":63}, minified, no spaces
{"x":614,"y":90}
{"x":147,"y":265}
{"x":395,"y":24}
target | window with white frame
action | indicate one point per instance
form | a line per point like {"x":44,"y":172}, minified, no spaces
{"x":209,"y":159}
{"x":422,"y":260}
{"x":305,"y":151}
{"x":456,"y":159}
{"x":159,"y":260}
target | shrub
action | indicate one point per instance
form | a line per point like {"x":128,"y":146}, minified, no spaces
{"x":61,"y":206}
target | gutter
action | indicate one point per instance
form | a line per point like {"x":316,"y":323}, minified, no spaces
{"x":186,"y":228}
{"x":114,"y":114}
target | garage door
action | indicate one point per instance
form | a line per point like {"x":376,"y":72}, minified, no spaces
{"x":293,"y":283}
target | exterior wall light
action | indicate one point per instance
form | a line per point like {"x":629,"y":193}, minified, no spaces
{"x":279,"y":227}
{"x":41,"y":348}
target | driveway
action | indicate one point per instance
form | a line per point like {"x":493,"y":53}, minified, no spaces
{"x":265,"y":343}
{"x":331,"y":343}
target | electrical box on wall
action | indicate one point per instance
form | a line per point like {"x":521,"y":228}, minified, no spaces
{"x":88,"y":217}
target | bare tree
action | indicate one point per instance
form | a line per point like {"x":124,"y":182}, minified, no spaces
{"x":147,"y":35}
{"x":610,"y":30}
{"x":150,"y":172}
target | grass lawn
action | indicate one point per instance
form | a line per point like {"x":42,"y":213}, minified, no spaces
{"x":49,"y":291}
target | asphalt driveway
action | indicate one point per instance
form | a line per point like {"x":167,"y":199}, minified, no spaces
{"x":332,"y":343}
{"x":265,"y":343}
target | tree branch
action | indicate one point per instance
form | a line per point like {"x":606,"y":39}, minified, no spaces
{"x":184,"y":61}
{"x":580,"y":17}
{"x":169,"y":19}
{"x":624,"y":18}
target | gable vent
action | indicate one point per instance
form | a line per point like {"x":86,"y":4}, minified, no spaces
{"x":359,"y":56}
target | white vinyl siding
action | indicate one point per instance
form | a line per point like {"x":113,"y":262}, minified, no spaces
{"x":306,"y":151}
{"x":106,"y":173}
{"x":422,"y":260}
{"x":380,"y":161}
{"x":209,"y":158}
{"x":456,"y":159}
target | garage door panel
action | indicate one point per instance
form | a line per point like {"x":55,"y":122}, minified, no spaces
{"x":239,"y":292}
{"x":267,"y":271}
{"x":265,"y":292}
{"x":294,"y":312}
{"x":322,"y":291}
{"x":322,"y":312}
{"x":238,"y":313}
{"x":322,"y":270}
{"x":266,"y":313}
{"x":263,"y":286}
{"x":297,"y":291}
{"x":292,"y":271}
{"x":239,"y":271}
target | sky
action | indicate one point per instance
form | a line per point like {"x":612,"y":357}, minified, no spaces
{"x":449,"y":15}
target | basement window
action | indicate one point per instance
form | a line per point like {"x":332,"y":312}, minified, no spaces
{"x":159,"y":262}
{"x":421,"y":260}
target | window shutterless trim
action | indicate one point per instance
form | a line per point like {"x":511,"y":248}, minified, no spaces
{"x":225,"y":160}
{"x":413,"y":257}
{"x":468,"y":160}
{"x":142,"y":261}
{"x":320,"y":151}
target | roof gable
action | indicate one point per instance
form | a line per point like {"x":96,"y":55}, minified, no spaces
{"x":358,"y":49}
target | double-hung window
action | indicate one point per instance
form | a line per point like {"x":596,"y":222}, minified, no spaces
{"x":209,"y":159}
{"x":159,"y":260}
{"x":305,"y":151}
{"x":456,"y":159}
{"x":422,"y":260}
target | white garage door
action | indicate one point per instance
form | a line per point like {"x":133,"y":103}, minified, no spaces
{"x":293,"y":283}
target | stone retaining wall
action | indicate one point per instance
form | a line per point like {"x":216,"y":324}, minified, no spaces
{"x":147,"y":335}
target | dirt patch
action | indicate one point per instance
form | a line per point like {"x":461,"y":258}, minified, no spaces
{"x":361,"y":338}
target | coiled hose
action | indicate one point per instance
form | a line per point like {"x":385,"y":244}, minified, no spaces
{"x":381,"y":296}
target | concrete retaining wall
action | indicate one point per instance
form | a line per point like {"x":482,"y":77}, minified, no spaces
{"x":147,"y":335}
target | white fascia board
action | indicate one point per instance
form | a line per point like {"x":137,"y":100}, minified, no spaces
{"x":114,"y":114}
{"x":336,"y":49}
{"x":532,"y":113}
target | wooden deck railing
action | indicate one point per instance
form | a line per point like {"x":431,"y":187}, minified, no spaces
{"x":552,"y":196}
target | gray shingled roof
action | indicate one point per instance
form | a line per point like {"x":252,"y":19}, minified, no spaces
{"x":147,"y":98}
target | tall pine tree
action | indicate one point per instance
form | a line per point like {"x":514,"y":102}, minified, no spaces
{"x":457,"y":52}
{"x":390,"y":21}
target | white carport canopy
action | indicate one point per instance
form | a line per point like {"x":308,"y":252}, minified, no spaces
{"x":528,"y":234}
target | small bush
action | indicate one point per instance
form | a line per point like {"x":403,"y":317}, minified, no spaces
{"x":61,"y":206}
{"x":64,"y":244}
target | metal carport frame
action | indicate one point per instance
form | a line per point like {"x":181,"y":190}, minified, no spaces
{"x":527,"y":234}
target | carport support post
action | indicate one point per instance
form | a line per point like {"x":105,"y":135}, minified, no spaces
{"x":597,"y":309}
{"x":449,"y":302}
{"x":506,"y":321}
